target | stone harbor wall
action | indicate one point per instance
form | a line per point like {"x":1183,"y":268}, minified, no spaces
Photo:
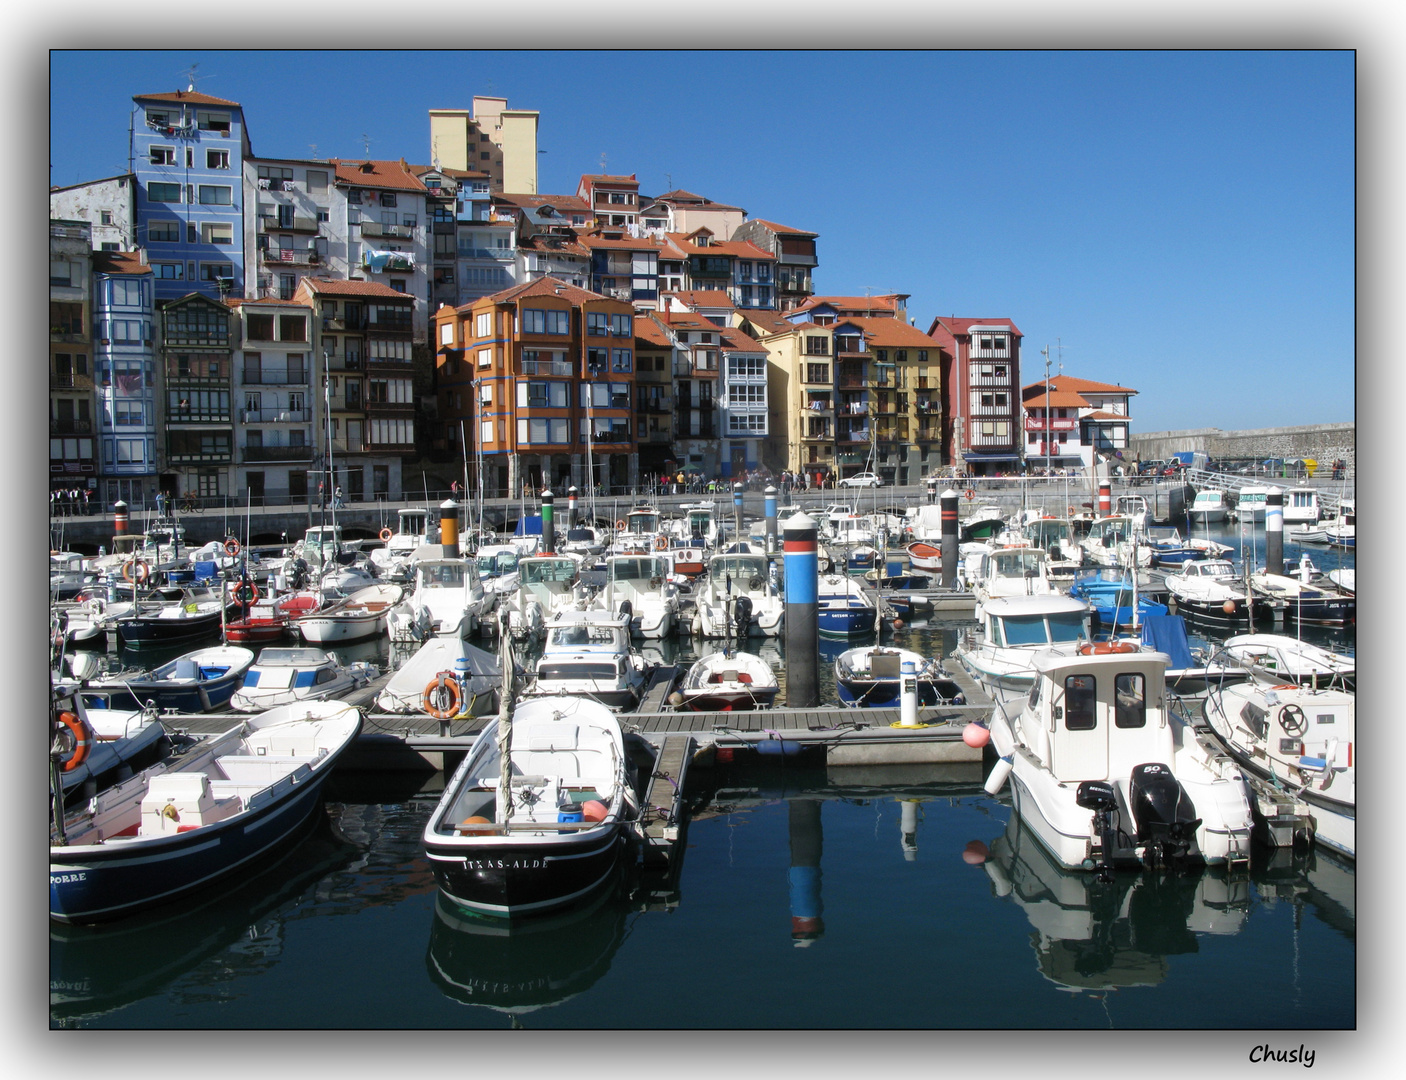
{"x":1325,"y":443}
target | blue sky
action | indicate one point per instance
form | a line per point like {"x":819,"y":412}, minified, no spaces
{"x":1182,"y":223}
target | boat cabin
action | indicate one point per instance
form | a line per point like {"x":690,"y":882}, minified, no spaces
{"x":642,"y":522}
{"x":1044,"y":532}
{"x":1209,"y":568}
{"x":498,"y":560}
{"x":1110,"y":531}
{"x":1301,"y":506}
{"x":742,"y":569}
{"x":653,"y":568}
{"x":594,"y":631}
{"x":1098,"y":717}
{"x":1020,"y":621}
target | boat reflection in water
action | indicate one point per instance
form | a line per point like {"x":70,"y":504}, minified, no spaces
{"x":517,"y":967}
{"x":99,"y":969}
{"x":1094,"y":936}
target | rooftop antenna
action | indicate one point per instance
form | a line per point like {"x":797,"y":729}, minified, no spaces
{"x":190,"y":79}
{"x":602,"y":162}
{"x":312,"y":146}
{"x":670,"y":177}
{"x":366,"y":142}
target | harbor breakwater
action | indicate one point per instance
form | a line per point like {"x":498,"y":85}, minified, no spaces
{"x":1324,"y":443}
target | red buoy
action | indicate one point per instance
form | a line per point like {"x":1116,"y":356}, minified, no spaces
{"x":975,"y":853}
{"x":976,"y":735}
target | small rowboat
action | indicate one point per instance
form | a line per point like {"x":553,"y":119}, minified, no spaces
{"x":924,"y":556}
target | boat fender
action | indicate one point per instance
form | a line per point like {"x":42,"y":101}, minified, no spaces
{"x":82,"y":740}
{"x":442,"y":696}
{"x":386,"y":534}
{"x":975,"y":853}
{"x":135,"y":571}
{"x":232,"y":546}
{"x":976,"y":735}
{"x":997,"y":780}
{"x":1103,"y":648}
{"x":594,"y":810}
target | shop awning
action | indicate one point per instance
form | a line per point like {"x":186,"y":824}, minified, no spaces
{"x":974,"y":455}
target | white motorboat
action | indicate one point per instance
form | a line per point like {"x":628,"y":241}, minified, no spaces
{"x":1345,"y":578}
{"x":284,"y":676}
{"x":1342,"y":530}
{"x":497,"y":568}
{"x":412,"y":531}
{"x":1209,"y":590}
{"x":1251,"y":501}
{"x":544,"y":828}
{"x":844,"y":607}
{"x":1107,"y":775}
{"x":1288,"y":659}
{"x":476,"y":675}
{"x":698,"y":527}
{"x":642,"y":582}
{"x":1319,"y":603}
{"x":582,"y":540}
{"x":1301,"y":506}
{"x":870,"y":677}
{"x":1015,"y":632}
{"x":587,"y":654}
{"x":727,"y":682}
{"x":447,"y":598}
{"x":738,"y":586}
{"x":1208,"y":506}
{"x":360,"y":615}
{"x":1013,"y":571}
{"x":1111,"y":542}
{"x":1298,"y":740}
{"x":197,"y":817}
{"x":546,"y":585}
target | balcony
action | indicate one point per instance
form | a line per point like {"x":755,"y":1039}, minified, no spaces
{"x":271,"y":223}
{"x":385,"y":325}
{"x":289,"y":257}
{"x":859,"y":435}
{"x":218,"y":457}
{"x":1035,"y":423}
{"x":393,"y":263}
{"x":819,"y":407}
{"x":267,"y":376}
{"x":70,"y":381}
{"x":277,"y":453}
{"x":493,"y":254}
{"x":389,"y":232}
{"x":548,"y":367}
{"x":70,"y":427}
{"x":817,"y":434}
{"x":275,"y":416}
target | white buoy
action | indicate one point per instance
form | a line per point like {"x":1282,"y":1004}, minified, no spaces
{"x":999,"y":772}
{"x":908,"y":695}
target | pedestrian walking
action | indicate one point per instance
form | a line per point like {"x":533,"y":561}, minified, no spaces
{"x":337,"y":503}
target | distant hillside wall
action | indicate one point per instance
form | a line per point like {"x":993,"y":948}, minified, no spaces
{"x":1323,"y":442}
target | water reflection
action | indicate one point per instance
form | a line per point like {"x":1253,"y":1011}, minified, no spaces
{"x":517,"y":967}
{"x":1094,"y":936}
{"x":98,"y":969}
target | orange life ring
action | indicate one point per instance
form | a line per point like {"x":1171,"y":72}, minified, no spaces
{"x":239,"y":590}
{"x":661,"y":543}
{"x":437,"y":704}
{"x":969,"y":493}
{"x":620,"y":524}
{"x":82,"y":741}
{"x":386,"y":534}
{"x":1286,"y":686}
{"x":1103,"y":648}
{"x":231,"y":546}
{"x":135,"y":571}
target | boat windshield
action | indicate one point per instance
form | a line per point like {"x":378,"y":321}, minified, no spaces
{"x":1046,"y":531}
{"x":537,"y":572}
{"x":442,"y":576}
{"x":497,"y":562}
{"x":1023,"y":630}
{"x":554,"y":669}
{"x":637,"y":569}
{"x":1066,"y":626}
{"x":643,"y":523}
{"x":1019,"y":563}
{"x":581,"y":634}
{"x":740,"y":567}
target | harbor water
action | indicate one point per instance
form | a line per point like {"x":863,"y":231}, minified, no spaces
{"x":806,"y":897}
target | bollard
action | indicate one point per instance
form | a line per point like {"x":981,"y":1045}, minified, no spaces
{"x":769,"y":504}
{"x":549,"y":527}
{"x":571,"y":507}
{"x":807,"y":843}
{"x":1105,"y":498}
{"x":449,"y":528}
{"x":119,"y":518}
{"x":737,"y":509}
{"x":802,"y":574}
{"x":1274,"y":532}
{"x":908,"y":695}
{"x":949,"y":539}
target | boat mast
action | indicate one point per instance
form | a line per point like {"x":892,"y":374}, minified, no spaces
{"x":505,"y":720}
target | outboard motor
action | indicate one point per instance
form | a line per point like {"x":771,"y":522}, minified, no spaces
{"x":627,"y":610}
{"x":298,"y":579}
{"x":1098,"y":796}
{"x":742,"y":615}
{"x":1163,"y":812}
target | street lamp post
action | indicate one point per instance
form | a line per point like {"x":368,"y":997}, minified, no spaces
{"x":1045,"y":352}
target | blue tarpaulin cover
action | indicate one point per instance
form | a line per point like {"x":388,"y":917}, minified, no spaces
{"x":1167,"y":633}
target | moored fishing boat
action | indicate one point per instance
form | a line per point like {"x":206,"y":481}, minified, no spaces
{"x":587,"y":653}
{"x":202,"y":680}
{"x":446,"y":677}
{"x":360,"y":615}
{"x":871,"y":677}
{"x":844,"y":606}
{"x":538,"y":813}
{"x":283,"y":676}
{"x":198,"y":816}
{"x":153,"y":623}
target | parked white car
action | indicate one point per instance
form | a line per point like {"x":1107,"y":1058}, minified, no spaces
{"x":864,"y":479}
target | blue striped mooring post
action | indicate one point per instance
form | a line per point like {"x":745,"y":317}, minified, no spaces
{"x":769,"y":508}
{"x":802,"y":570}
{"x":737,"y":508}
{"x":807,"y":843}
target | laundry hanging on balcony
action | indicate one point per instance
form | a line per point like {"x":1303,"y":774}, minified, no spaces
{"x":377,"y":261}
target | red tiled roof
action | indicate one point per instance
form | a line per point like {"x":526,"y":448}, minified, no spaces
{"x":245,"y":301}
{"x":703,"y":297}
{"x":457,"y":174}
{"x":1101,"y":415}
{"x":563,"y":245}
{"x":957,"y":327}
{"x":383,"y":174}
{"x":119,"y":262}
{"x":593,"y":241}
{"x":883,"y":302}
{"x":769,"y":322}
{"x":337,"y":287}
{"x":1059,"y":399}
{"x":559,"y":202}
{"x":606,"y":178}
{"x":1080,"y":386}
{"x":734,"y":339}
{"x":888,"y":333}
{"x":546,"y":286}
{"x":186,"y":97}
{"x":774,"y":227}
{"x":650,"y":332}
